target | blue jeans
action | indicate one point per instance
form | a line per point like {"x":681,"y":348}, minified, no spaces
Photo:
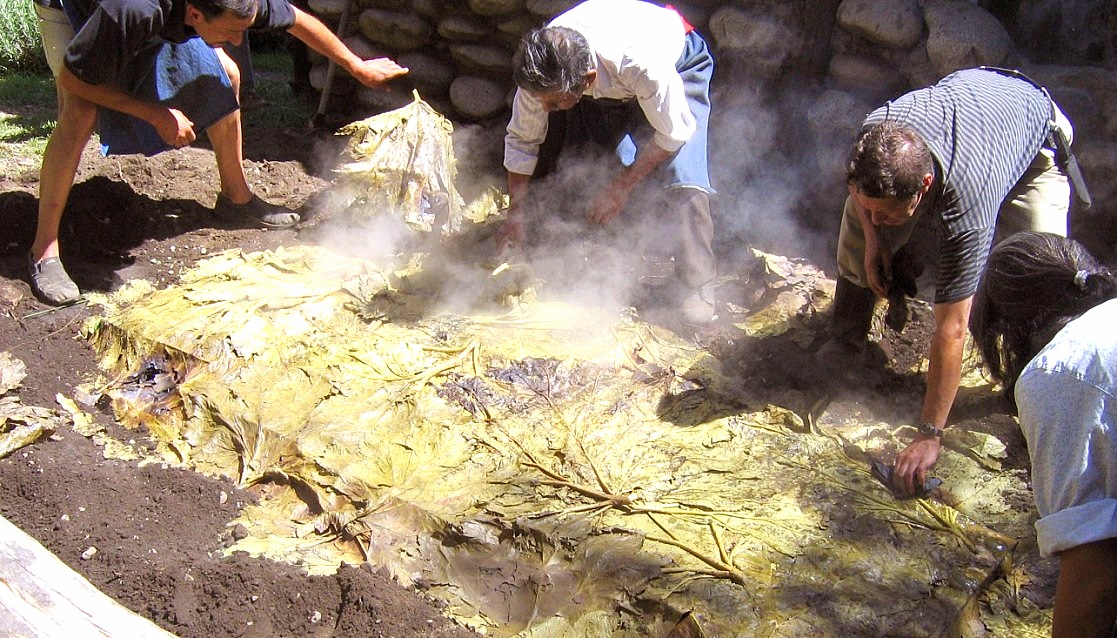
{"x":187,"y":76}
{"x":620,"y":126}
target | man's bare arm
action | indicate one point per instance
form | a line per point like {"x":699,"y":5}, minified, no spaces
{"x":318,"y":37}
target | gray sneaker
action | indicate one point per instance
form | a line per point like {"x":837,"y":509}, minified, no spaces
{"x":255,"y":211}
{"x":51,"y":283}
{"x":698,"y":308}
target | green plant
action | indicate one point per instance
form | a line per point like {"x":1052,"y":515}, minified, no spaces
{"x":27,"y":91}
{"x":20,"y":47}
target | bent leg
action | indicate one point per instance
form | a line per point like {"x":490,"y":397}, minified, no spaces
{"x":236,"y":202}
{"x":228,"y":144}
{"x":695,"y":264}
{"x":77,"y":118}
{"x":55,"y":32}
{"x":1039,"y":201}
{"x":694,"y":255}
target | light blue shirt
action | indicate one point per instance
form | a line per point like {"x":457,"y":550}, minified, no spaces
{"x":1066,"y":400}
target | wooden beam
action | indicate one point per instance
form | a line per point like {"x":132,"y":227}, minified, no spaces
{"x":41,"y":597}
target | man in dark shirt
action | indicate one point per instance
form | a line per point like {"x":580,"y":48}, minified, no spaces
{"x":156,"y":69}
{"x":975,"y":151}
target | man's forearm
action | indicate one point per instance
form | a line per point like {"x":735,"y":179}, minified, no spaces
{"x":517,"y":190}
{"x":649,"y":158}
{"x":317,"y":36}
{"x":944,"y":373}
{"x":108,"y":96}
{"x":944,"y":370}
{"x":872,"y":259}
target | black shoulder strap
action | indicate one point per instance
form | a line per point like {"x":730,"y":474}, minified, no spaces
{"x":1055,"y":137}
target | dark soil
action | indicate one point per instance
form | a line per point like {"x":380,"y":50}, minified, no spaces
{"x":158,"y":532}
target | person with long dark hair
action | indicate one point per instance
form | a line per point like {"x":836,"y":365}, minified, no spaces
{"x":1043,"y":319}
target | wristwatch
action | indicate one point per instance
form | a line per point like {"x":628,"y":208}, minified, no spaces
{"x":928,"y":429}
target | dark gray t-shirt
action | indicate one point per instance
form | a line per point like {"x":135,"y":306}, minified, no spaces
{"x":983,"y":129}
{"x":111,"y":33}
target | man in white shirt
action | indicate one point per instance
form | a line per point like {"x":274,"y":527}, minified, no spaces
{"x":632,"y":78}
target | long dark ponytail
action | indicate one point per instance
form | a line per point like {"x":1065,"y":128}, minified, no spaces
{"x":1034,"y":285}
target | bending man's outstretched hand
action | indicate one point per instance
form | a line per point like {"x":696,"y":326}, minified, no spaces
{"x":609,"y":203}
{"x":377,"y":71}
{"x":318,"y":37}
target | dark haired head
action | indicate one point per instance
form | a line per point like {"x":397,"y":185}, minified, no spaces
{"x":239,"y":8}
{"x":889,"y":160}
{"x":1034,"y":285}
{"x":552,"y":60}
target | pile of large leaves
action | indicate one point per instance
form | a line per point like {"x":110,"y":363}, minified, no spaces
{"x":546,"y":469}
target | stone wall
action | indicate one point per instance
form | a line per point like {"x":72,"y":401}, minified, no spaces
{"x":794,"y":80}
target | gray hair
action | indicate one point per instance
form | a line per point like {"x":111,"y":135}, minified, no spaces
{"x":552,"y":60}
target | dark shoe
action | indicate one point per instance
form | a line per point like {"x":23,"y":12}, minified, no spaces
{"x":851,"y":315}
{"x":906,"y":269}
{"x":698,"y":307}
{"x":257,"y":211}
{"x":50,"y":283}
{"x":898,"y":312}
{"x":301,"y":88}
{"x":848,"y":349}
{"x":249,"y":101}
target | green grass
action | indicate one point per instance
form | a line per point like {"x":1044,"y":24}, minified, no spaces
{"x":30,"y":91}
{"x":27,"y":116}
{"x":284,"y":110}
{"x":19,"y":147}
{"x":20,"y":47}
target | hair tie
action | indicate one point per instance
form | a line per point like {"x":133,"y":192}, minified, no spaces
{"x":1080,"y":279}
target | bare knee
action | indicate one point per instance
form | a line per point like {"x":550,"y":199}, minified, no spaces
{"x":231,"y":69}
{"x":76,"y":116}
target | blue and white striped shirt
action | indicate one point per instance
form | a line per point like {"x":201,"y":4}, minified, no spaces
{"x":983,"y":129}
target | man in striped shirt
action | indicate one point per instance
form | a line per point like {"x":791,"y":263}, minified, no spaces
{"x":630,"y":78}
{"x":975,"y":151}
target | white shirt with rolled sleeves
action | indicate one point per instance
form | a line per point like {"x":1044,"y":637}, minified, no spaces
{"x":1068,"y":413}
{"x":635,"y":45}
